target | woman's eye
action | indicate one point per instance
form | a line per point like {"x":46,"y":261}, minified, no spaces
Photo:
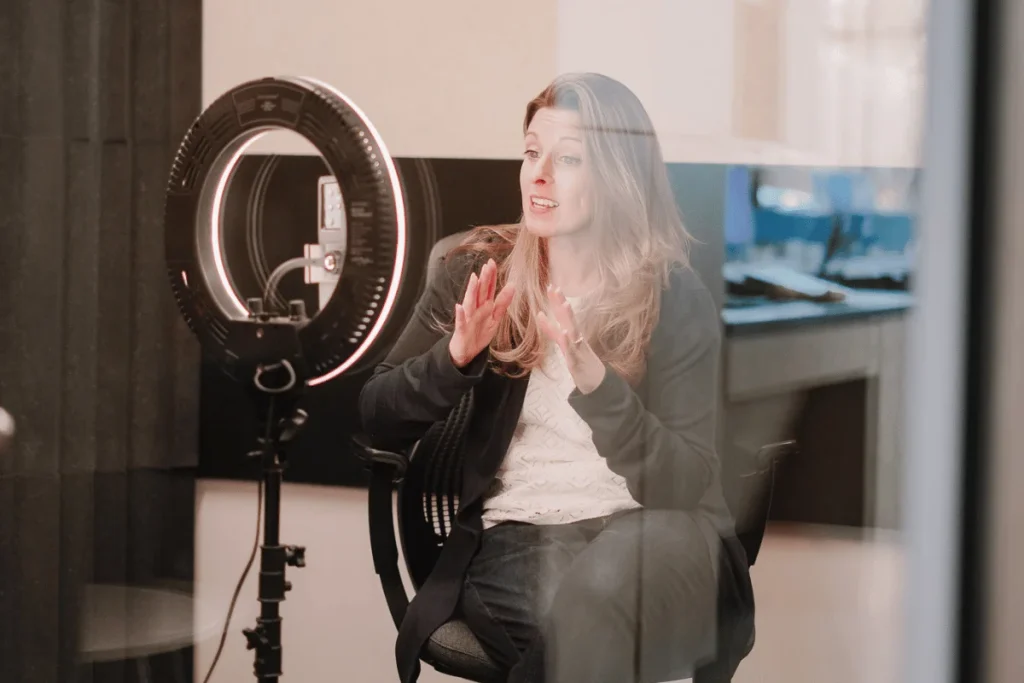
{"x":571,"y":160}
{"x":531,"y":153}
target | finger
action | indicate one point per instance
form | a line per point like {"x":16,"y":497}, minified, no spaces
{"x":562,"y":312}
{"x":484,"y":288}
{"x":494,"y":280}
{"x":544,"y":326}
{"x":485,"y":313}
{"x":481,"y":287}
{"x":550,"y":330}
{"x":503,"y":300}
{"x":460,"y":317}
{"x":469,"y":301}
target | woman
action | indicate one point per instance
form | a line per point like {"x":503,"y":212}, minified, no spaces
{"x":592,"y":541}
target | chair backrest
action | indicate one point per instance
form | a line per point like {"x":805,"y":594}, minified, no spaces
{"x":440,"y":248}
{"x":428,"y":496}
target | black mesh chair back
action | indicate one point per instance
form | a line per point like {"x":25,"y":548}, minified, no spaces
{"x":428,"y":495}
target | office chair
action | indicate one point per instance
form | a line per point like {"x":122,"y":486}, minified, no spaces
{"x":427,"y":479}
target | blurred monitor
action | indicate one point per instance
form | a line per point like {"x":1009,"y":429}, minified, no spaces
{"x":739,"y":209}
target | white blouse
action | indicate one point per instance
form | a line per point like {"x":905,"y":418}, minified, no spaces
{"x":552,"y":473}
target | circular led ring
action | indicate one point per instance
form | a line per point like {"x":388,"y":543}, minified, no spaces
{"x":374,"y":258}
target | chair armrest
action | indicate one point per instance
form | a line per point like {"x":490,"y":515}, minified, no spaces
{"x":371,"y":456}
{"x":752,"y":500}
{"x":387,"y":468}
{"x":769,"y":455}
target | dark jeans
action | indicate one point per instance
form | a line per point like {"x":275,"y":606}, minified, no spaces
{"x":631,"y":597}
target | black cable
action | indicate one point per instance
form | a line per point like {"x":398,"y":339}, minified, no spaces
{"x":241,"y":582}
{"x":275,"y":278}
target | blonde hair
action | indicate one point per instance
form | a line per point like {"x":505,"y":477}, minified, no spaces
{"x":635,"y":220}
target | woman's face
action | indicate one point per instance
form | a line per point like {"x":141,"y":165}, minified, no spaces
{"x":554,"y":179}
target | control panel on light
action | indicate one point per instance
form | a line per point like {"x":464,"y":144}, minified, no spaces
{"x":331,"y":233}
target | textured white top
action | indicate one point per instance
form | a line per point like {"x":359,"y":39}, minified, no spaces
{"x":552,"y":473}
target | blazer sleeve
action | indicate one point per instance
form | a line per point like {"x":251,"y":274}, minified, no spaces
{"x":665,"y":448}
{"x":417,"y":384}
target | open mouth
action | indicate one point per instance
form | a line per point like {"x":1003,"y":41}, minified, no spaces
{"x":543,"y":203}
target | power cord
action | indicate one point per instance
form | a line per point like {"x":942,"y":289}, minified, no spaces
{"x":241,"y":582}
{"x":275,"y":277}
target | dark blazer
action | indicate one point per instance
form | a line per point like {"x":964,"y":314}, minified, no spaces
{"x":659,"y":436}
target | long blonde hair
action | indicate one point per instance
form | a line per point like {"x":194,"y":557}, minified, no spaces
{"x":635,"y":220}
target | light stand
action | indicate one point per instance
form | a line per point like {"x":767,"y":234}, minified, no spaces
{"x":277,"y":386}
{"x":275,"y":357}
{"x":265,"y":638}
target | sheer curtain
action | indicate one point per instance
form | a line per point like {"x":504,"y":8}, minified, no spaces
{"x":94,"y":363}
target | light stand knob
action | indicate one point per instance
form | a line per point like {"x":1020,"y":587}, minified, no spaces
{"x":254,"y":638}
{"x":255,"y":306}
{"x":295,"y":555}
{"x":297,"y":310}
{"x":290,"y":426}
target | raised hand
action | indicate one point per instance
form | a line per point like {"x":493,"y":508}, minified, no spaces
{"x":477,"y":317}
{"x":586,"y":368}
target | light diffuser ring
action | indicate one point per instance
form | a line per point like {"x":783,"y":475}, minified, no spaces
{"x":349,"y":325}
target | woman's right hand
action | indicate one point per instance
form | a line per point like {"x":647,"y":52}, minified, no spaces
{"x":477,"y":317}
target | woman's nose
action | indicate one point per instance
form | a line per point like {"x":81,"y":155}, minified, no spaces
{"x":542,"y":170}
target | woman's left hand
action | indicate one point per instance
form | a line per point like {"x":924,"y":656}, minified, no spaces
{"x":586,"y":368}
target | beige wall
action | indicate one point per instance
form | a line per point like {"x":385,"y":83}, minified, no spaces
{"x":438,"y":79}
{"x":749,"y":81}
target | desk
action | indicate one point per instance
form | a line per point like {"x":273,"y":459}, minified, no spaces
{"x":775,"y":352}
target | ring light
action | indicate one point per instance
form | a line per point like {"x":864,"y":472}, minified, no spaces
{"x":373,"y":260}
{"x":276,"y":354}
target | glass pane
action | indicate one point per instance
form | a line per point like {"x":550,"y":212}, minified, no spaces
{"x":695,"y":465}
